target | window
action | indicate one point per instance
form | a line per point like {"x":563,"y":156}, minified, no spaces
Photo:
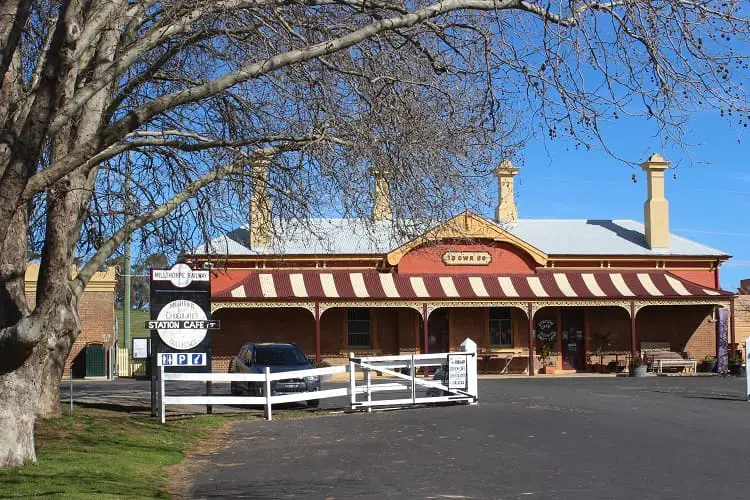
{"x":358,"y":327}
{"x":501,"y":327}
{"x":274,"y":355}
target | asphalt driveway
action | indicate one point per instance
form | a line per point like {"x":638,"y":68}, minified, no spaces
{"x":542,"y":438}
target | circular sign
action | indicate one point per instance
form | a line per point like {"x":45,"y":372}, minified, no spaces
{"x":182,"y":338}
{"x":180,"y":275}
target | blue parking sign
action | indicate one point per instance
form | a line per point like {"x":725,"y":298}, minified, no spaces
{"x":182,"y":359}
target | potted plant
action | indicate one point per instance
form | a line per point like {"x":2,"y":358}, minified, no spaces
{"x":709,"y":363}
{"x":545,"y":333}
{"x":735,"y":364}
{"x":601,"y":343}
{"x":638,"y":367}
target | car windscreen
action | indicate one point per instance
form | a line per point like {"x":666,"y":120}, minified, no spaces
{"x":279,"y":355}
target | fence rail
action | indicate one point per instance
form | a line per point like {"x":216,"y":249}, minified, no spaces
{"x":438,"y":391}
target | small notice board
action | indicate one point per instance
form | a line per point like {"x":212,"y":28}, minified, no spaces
{"x":457,"y":370}
{"x":140,"y":348}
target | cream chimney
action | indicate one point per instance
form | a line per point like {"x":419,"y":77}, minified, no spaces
{"x":506,"y":208}
{"x":381,"y":209}
{"x":656,"y":208}
{"x":260,"y":203}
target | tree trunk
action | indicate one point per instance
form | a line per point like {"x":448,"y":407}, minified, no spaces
{"x":49,"y":374}
{"x":18,"y":409}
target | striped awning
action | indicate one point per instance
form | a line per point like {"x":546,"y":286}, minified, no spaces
{"x":237,"y":284}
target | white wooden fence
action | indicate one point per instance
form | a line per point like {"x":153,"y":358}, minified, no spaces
{"x":438,"y":391}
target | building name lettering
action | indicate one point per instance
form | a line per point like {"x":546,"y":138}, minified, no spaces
{"x":467,"y":258}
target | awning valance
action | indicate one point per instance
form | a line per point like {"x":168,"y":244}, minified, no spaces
{"x":330,"y":284}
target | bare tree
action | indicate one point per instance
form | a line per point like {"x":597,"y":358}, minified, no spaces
{"x":177,"y":96}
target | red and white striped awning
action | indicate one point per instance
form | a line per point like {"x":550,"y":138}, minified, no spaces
{"x":238,"y":284}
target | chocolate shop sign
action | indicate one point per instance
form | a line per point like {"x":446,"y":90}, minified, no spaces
{"x":467,"y":258}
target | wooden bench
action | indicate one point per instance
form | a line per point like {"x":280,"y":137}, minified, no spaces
{"x":508,"y":356}
{"x":659,"y":355}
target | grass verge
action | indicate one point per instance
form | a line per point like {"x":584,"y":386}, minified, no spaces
{"x":105,"y":454}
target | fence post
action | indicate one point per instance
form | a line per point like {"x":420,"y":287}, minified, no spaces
{"x":413,"y":371}
{"x":352,"y":380}
{"x":367,"y":383}
{"x":268,"y":393}
{"x":162,"y":409}
{"x":469,"y":346}
{"x":70,"y":372}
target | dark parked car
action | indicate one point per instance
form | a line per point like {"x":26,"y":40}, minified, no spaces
{"x":279,"y":357}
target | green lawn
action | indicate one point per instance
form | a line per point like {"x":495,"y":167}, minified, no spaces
{"x":97,"y":453}
{"x":137,"y":325}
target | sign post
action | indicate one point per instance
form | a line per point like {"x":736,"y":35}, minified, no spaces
{"x":180,"y":324}
{"x":747,"y":367}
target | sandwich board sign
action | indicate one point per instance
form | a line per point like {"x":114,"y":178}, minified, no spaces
{"x":180,"y":321}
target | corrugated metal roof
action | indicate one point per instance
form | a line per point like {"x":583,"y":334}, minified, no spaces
{"x":363,"y":236}
{"x":599,"y":237}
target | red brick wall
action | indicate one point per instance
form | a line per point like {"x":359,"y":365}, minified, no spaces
{"x":469,"y":322}
{"x":409,"y":329}
{"x":239,"y":326}
{"x":612,"y":320}
{"x":97,"y":313}
{"x":505,"y":259}
{"x":686,"y":328}
{"x":703,"y":277}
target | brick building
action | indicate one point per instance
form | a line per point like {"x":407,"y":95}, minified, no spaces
{"x":602,"y":287}
{"x":97,"y":312}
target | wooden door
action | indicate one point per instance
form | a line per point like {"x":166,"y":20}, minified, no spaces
{"x":572,"y":339}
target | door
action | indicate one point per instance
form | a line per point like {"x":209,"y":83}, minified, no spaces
{"x":437,"y":332}
{"x":573,"y":348}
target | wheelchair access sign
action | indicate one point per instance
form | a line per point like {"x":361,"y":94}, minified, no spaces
{"x":181,"y":359}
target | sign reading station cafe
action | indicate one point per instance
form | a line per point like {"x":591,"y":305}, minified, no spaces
{"x":181,"y":315}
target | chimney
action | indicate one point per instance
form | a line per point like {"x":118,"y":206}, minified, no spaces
{"x":381,"y":209}
{"x":656,"y":208}
{"x":506,"y":208}
{"x":260,"y":203}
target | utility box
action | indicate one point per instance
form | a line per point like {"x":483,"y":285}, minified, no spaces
{"x":96,"y":360}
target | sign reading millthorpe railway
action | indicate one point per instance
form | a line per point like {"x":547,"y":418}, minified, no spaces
{"x":180,"y":309}
{"x":180,"y":321}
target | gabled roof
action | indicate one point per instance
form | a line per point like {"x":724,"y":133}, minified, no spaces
{"x":550,"y":237}
{"x":466,"y":226}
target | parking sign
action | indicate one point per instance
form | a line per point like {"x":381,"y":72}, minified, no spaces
{"x":182,"y":359}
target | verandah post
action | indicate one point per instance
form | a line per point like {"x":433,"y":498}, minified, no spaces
{"x":317,"y":334}
{"x":532,"y":341}
{"x":633,"y":339}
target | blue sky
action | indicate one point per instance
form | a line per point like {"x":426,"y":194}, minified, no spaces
{"x":708,"y":198}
